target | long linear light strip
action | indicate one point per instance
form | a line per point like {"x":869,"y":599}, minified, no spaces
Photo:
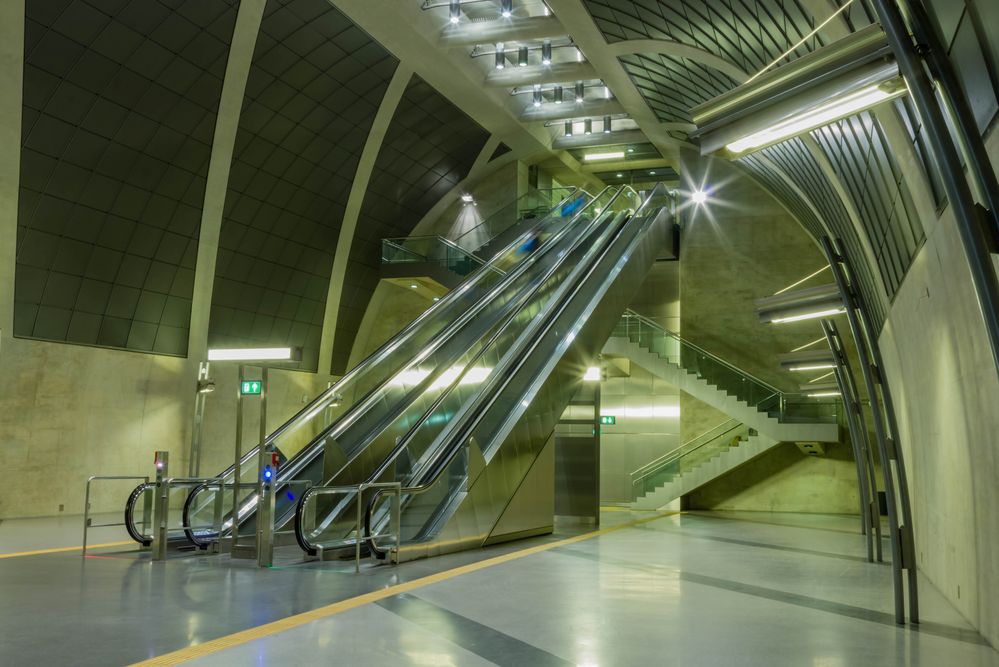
{"x":808,"y":316}
{"x":807,"y":345}
{"x":821,"y":377}
{"x":822,"y":115}
{"x":251,"y":354}
{"x":617,"y":155}
{"x":812,"y":367}
{"x":805,"y":279}
{"x":802,"y":40}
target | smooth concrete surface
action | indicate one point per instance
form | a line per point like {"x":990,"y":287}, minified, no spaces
{"x":946,"y":389}
{"x":712,"y":588}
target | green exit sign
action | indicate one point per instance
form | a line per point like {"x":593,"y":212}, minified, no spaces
{"x":608,"y":420}
{"x":251,"y":388}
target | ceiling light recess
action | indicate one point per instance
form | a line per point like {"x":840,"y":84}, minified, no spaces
{"x":844,"y":78}
{"x":252,"y":354}
{"x":615,"y":155}
{"x":806,"y":304}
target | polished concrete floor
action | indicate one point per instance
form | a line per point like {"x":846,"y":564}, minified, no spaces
{"x":691,"y":589}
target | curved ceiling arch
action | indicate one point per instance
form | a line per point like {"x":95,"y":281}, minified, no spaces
{"x":678,"y":50}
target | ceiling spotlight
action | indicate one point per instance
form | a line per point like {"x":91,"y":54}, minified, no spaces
{"x":620,"y":175}
{"x":579,"y":91}
{"x":558,"y":94}
{"x":522,"y":56}
{"x":537,"y":95}
{"x":455,"y":11}
{"x":506,"y":8}
{"x":698,"y":196}
{"x":437,"y":298}
{"x":631,"y":150}
{"x":467,"y":198}
{"x":568,"y":128}
{"x":588,"y":127}
{"x":607,"y":124}
{"x":412,"y":286}
{"x":652,"y":173}
{"x":546,"y":52}
{"x":500,"y":56}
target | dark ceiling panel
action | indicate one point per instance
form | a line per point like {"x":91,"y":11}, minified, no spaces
{"x":429,"y":147}
{"x":671,"y":86}
{"x":314,"y":88}
{"x":120,"y":99}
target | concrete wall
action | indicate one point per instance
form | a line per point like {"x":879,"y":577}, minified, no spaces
{"x":785,"y":480}
{"x":71,"y":411}
{"x":946,"y":389}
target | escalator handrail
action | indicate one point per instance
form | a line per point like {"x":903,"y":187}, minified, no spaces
{"x":447,"y":454}
{"x":406,"y":438}
{"x":297,"y":462}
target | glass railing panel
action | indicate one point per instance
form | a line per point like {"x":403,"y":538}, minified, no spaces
{"x":456,"y":381}
{"x":530,"y":207}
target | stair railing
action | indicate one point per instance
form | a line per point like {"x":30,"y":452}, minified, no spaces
{"x":670,"y":461}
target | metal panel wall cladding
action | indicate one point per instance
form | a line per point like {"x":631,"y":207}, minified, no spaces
{"x":314,"y":87}
{"x":120,"y":99}
{"x":429,"y":147}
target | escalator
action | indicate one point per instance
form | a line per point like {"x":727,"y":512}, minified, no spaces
{"x":461,"y":461}
{"x":346,"y":425}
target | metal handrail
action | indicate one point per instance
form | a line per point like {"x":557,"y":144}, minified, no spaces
{"x":86,"y":504}
{"x":442,"y":460}
{"x":700,"y":350}
{"x":405,"y":439}
{"x":676,"y":454}
{"x":394,"y":242}
{"x":654,"y":463}
{"x":373,"y":359}
{"x":571,"y":191}
{"x":380,"y":488}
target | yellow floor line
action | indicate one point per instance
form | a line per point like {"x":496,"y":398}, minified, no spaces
{"x":57,"y":550}
{"x":281,"y":625}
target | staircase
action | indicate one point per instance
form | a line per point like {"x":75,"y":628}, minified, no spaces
{"x":778,"y":415}
{"x":695,"y":463}
{"x":761,"y":416}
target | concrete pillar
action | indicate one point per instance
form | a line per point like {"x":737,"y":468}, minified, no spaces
{"x":11,"y":84}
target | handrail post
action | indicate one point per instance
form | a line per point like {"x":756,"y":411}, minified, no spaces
{"x":86,"y":515}
{"x":357,"y":528}
{"x":161,"y":511}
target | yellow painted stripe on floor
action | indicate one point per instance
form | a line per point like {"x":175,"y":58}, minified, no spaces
{"x":39,"y":552}
{"x":281,"y":625}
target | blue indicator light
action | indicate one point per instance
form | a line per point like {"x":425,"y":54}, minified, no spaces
{"x":268,"y":473}
{"x":291,"y":496}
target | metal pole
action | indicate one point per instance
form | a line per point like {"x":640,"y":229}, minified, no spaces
{"x":948,"y":164}
{"x":962,"y":118}
{"x":879,"y":429}
{"x":86,"y":516}
{"x":357,"y":532}
{"x":848,"y":400}
{"x":161,"y":507}
{"x":234,"y":531}
{"x":906,"y":537}
{"x":194,"y":464}
{"x":265,"y":490}
{"x":874,"y":516}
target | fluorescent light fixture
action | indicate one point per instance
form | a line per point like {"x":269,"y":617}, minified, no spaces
{"x":820,"y":389}
{"x":821,"y":394}
{"x":652,"y":173}
{"x":698,"y":196}
{"x":251,"y":354}
{"x":467,"y":198}
{"x":557,"y":94}
{"x":592,"y":374}
{"x":809,"y":316}
{"x":522,"y":56}
{"x":616,"y":155}
{"x":808,"y":360}
{"x":506,"y":8}
{"x":816,"y":367}
{"x":455,"y":11}
{"x":568,"y":128}
{"x":546,"y":50}
{"x":500,"y":56}
{"x":413,"y":286}
{"x":619,"y":175}
{"x":631,"y":150}
{"x":607,"y":124}
{"x":437,"y":298}
{"x":588,"y":127}
{"x":802,"y":304}
{"x":834,"y":110}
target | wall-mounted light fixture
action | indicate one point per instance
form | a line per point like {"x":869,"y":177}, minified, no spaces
{"x":455,"y":11}
{"x":806,"y":304}
{"x":537,"y":95}
{"x":588,"y":127}
{"x":699,"y":197}
{"x":807,"y":360}
{"x":252,"y":354}
{"x":557,"y":94}
{"x":522,"y":56}
{"x":568,"y":128}
{"x":506,"y":8}
{"x":500,"y":56}
{"x":546,"y":52}
{"x":468,"y":198}
{"x":592,"y":374}
{"x":844,"y":78}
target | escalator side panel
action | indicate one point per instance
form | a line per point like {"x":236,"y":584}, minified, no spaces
{"x":509,"y":462}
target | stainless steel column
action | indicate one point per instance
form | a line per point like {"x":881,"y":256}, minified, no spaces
{"x":265,"y":489}
{"x":161,"y":506}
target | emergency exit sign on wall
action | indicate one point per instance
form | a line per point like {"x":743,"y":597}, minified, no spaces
{"x":608,"y":420}
{"x":250,"y":388}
